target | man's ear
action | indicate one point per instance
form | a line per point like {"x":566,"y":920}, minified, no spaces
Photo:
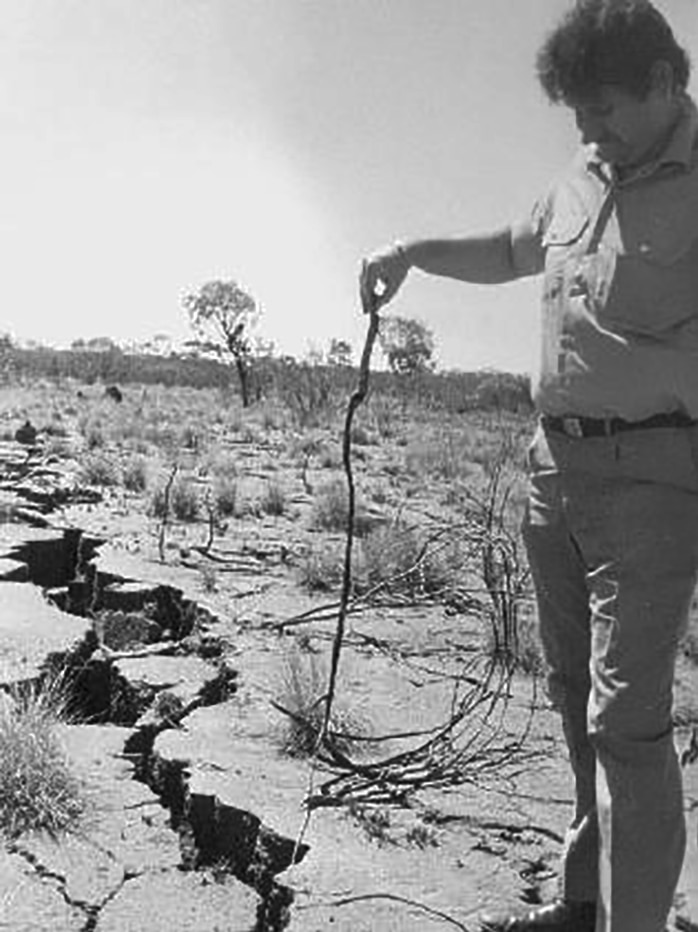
{"x":662,"y":79}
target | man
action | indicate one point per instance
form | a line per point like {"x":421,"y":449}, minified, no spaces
{"x":612,"y":523}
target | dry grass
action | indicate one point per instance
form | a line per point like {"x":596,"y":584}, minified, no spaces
{"x":401,"y":560}
{"x":302,"y":697}
{"x":430,"y":463}
{"x":225,"y":495}
{"x":100,"y":469}
{"x":274,"y":500}
{"x":38,"y":791}
{"x":322,"y":567}
{"x":184,"y":501}
{"x":331,"y":510}
{"x":135,"y":473}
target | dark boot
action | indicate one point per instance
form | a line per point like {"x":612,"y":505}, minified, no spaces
{"x":562,"y":916}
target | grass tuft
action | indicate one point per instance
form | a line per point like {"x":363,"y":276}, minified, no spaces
{"x":331,"y":510}
{"x":274,"y":500}
{"x":225,"y":495}
{"x":38,"y":790}
{"x":99,"y":469}
{"x":135,"y":473}
{"x":184,"y":502}
{"x":303,"y":694}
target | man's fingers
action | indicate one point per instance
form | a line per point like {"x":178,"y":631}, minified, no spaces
{"x":371,"y":290}
{"x":375,"y":285}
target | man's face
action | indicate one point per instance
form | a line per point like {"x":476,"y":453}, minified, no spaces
{"x":626,"y":129}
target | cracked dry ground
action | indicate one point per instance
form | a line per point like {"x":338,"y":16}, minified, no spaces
{"x":195,"y":816}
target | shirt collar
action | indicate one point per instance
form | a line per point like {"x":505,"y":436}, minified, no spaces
{"x":679,"y":150}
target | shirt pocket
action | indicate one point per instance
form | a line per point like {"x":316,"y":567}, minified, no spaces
{"x":654,"y":286}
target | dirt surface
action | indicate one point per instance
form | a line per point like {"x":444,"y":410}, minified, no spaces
{"x":186,"y":669}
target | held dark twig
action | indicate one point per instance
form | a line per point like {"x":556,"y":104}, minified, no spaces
{"x":356,"y":399}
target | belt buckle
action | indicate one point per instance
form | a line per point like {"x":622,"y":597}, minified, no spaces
{"x":572,"y":426}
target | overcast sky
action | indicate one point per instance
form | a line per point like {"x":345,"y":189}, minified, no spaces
{"x":150,"y":145}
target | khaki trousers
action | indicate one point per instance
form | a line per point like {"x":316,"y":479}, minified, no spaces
{"x":612,"y":537}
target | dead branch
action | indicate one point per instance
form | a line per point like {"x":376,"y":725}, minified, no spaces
{"x":166,"y":512}
{"x":394,"y":897}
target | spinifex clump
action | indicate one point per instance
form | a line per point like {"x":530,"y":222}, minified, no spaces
{"x":38,"y":790}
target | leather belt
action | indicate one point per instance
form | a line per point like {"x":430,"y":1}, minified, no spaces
{"x":582,"y":427}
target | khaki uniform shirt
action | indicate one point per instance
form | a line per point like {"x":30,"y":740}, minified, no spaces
{"x":620,"y":291}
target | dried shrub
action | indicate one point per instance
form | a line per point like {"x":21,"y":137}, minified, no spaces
{"x":190,"y":439}
{"x":221,"y":464}
{"x":184,"y":502}
{"x":448,"y":457}
{"x":274,"y":500}
{"x":209,"y":579}
{"x":135,"y":474}
{"x":56,"y":427}
{"x":225,"y":495}
{"x":360,"y":437}
{"x":322,"y":568}
{"x":331,"y":510}
{"x":60,"y":447}
{"x":99,"y":469}
{"x":374,"y":820}
{"x":401,"y":560}
{"x":308,"y":392}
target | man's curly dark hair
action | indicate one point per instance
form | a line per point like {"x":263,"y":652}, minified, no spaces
{"x":614,"y":42}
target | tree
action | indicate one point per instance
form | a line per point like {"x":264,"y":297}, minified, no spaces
{"x":101,"y":345}
{"x":160,"y":344}
{"x":408,"y":345}
{"x":339,"y":353}
{"x":225,"y":312}
{"x":314,"y":355}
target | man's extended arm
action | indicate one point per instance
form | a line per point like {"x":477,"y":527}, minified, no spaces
{"x":488,"y":259}
{"x":485,"y":260}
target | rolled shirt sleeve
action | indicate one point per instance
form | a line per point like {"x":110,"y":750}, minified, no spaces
{"x":527,"y":233}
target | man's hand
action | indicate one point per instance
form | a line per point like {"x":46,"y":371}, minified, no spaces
{"x":381,"y":277}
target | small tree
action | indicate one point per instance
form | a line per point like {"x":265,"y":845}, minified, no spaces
{"x":339,"y":353}
{"x":408,"y":345}
{"x":314,"y":356}
{"x":101,"y":345}
{"x":224,"y":311}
